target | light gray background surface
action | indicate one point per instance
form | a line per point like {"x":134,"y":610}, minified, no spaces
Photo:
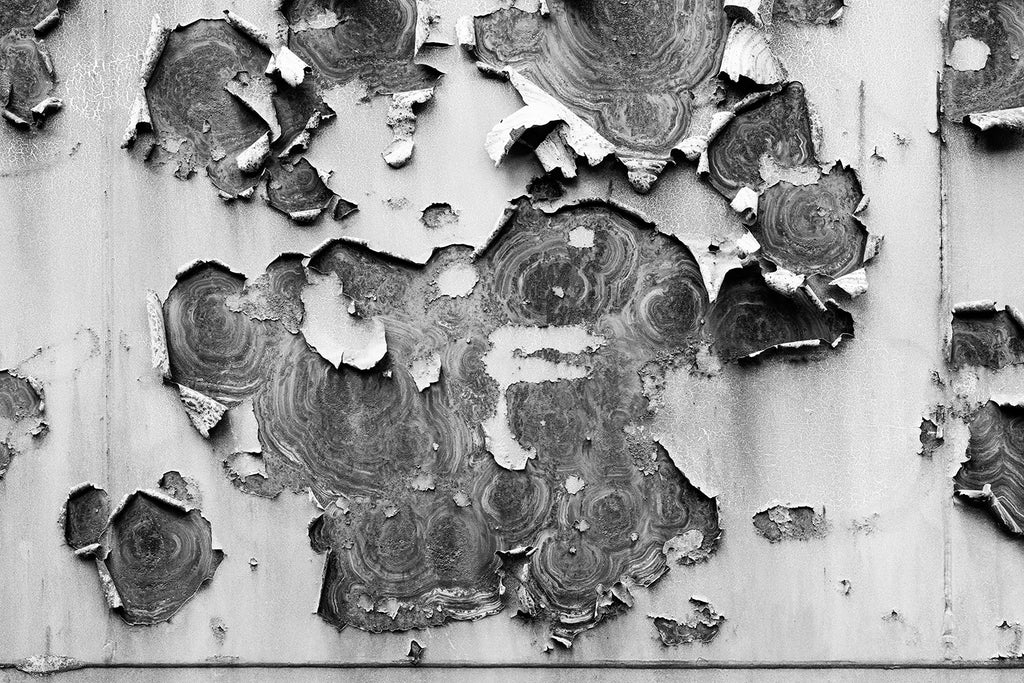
{"x":86,"y":229}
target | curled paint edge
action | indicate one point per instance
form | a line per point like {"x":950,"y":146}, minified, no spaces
{"x":745,"y":203}
{"x":204,"y":412}
{"x":695,"y":147}
{"x":748,"y":55}
{"x":981,"y":306}
{"x":1006,"y":119}
{"x":854,"y":283}
{"x":541,"y":109}
{"x":991,"y":500}
{"x":157,"y":334}
{"x":266,"y":113}
{"x":139,"y":116}
{"x":46,"y":24}
{"x":252,"y":157}
{"x":746,"y":10}
{"x":283,"y":62}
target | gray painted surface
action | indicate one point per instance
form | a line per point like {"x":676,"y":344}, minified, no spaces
{"x":87,"y":229}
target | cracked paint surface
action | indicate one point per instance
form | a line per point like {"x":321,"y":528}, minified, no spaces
{"x":153,"y":552}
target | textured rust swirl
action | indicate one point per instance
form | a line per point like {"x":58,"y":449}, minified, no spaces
{"x":779,"y":127}
{"x":995,"y":458}
{"x":416,"y":565}
{"x":351,"y":431}
{"x":21,"y":415}
{"x":159,"y":557}
{"x":25,"y":69}
{"x":515,"y":504}
{"x":748,"y":317}
{"x":372,"y":40}
{"x":415,"y":507}
{"x":812,"y":229}
{"x":19,"y":400}
{"x":25,"y":13}
{"x":1000,"y":85}
{"x":628,"y":69}
{"x":298,"y":190}
{"x":631,"y":279}
{"x":187,"y":98}
{"x":212,"y":349}
{"x":153,"y":554}
{"x":85,"y":516}
{"x":991,"y":339}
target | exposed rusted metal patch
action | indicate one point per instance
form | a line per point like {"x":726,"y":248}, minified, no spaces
{"x":21,"y":415}
{"x":451,"y":447}
{"x":218,"y":94}
{"x":701,"y":626}
{"x":603,"y":78}
{"x":983,"y":82}
{"x":152,"y":553}
{"x":992,"y":474}
{"x":790,"y":522}
{"x":984,"y":336}
{"x":27,"y":78}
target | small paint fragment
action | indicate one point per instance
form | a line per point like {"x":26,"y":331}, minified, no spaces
{"x":334,"y":331}
{"x":402,"y":121}
{"x":968,"y":54}
{"x":425,"y":370}
{"x":457,"y":280}
{"x":574,"y":484}
{"x":931,"y":438}
{"x":219,"y":628}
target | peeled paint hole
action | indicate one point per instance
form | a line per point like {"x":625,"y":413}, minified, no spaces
{"x":414,"y":514}
{"x":152,"y":553}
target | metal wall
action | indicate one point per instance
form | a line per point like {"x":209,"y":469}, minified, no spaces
{"x":86,"y":229}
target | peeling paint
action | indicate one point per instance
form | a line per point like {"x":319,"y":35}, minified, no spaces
{"x":983,"y":83}
{"x":21,"y":415}
{"x":783,"y":522}
{"x":672,"y":51}
{"x":504,"y":375}
{"x":152,"y":553}
{"x":27,"y":77}
{"x":984,"y":336}
{"x":991,"y":475}
{"x":221,"y":94}
{"x":702,"y":625}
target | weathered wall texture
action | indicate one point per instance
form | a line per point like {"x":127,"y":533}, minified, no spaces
{"x":875,"y":563}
